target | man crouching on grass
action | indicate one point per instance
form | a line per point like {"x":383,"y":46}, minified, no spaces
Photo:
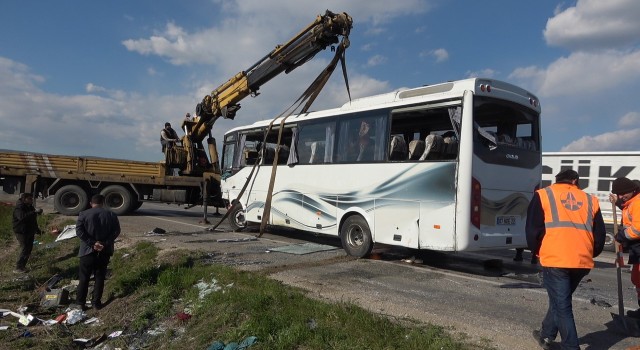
{"x":97,"y":229}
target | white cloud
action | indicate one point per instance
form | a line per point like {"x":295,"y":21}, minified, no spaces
{"x":621,"y":140}
{"x":483,"y":73}
{"x":262,"y":25}
{"x":92,"y":88}
{"x":583,"y":73}
{"x":376,"y":60}
{"x":440,"y":54}
{"x":594,"y":24}
{"x":109,"y":126}
{"x":629,"y":119}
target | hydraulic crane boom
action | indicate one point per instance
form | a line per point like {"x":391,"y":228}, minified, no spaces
{"x":223,"y":101}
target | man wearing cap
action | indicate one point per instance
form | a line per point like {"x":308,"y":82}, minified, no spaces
{"x":625,"y":195}
{"x":565,"y":229}
{"x":168,"y":136}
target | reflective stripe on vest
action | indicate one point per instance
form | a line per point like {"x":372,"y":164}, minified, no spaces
{"x":630,"y":232}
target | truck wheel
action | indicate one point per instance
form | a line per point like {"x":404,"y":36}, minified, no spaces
{"x":117,"y":199}
{"x":237,"y":220}
{"x":70,"y":200}
{"x":356,"y":236}
{"x":610,"y":242}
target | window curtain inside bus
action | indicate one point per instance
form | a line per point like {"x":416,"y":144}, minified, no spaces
{"x":330,"y":136}
{"x":237,"y":159}
{"x":293,"y":148}
{"x":380,"y":146}
{"x":455,"y":114}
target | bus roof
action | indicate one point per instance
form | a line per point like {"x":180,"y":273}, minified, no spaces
{"x":444,"y":91}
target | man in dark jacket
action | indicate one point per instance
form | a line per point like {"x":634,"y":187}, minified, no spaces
{"x":25,"y":227}
{"x":97,"y":229}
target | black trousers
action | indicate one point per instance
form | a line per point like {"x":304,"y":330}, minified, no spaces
{"x":96,"y":264}
{"x":26,"y":246}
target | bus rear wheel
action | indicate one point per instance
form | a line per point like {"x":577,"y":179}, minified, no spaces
{"x":70,"y":200}
{"x":356,"y":236}
{"x":117,"y":199}
{"x":237,"y":220}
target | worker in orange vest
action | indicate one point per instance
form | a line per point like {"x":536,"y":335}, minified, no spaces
{"x":565,"y":229}
{"x":625,"y":195}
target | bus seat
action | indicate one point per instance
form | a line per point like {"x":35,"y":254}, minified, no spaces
{"x":397,"y":148}
{"x":433,"y":147}
{"x":416,"y":148}
{"x":269,"y":155}
{"x":317,"y":152}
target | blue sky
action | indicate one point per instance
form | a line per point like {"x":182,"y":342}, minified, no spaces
{"x":101,"y":78}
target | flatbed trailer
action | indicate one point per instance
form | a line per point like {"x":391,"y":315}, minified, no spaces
{"x":126,"y":184}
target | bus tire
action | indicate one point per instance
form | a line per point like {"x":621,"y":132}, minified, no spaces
{"x":356,"y":236}
{"x":70,"y":200}
{"x":117,"y":199}
{"x":237,"y":220}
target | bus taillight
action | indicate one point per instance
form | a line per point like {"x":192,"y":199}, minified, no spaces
{"x":476,"y":202}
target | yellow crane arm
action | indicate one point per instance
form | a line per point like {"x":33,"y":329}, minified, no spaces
{"x":224,"y":100}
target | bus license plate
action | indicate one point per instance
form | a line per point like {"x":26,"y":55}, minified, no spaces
{"x":506,"y":220}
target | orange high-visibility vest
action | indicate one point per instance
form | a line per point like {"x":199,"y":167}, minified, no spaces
{"x":631,"y":211}
{"x":568,"y":221}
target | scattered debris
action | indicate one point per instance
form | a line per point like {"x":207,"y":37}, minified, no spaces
{"x":207,"y":288}
{"x":87,"y":343}
{"x":156,"y":232}
{"x":74,"y":316}
{"x":27,"y":320}
{"x":4,"y":328}
{"x":91,"y":320}
{"x":68,"y":232}
{"x":54,"y":298}
{"x":114,"y":334}
{"x":244,"y":344}
{"x":227,"y":240}
{"x":600,"y":303}
{"x":183,"y":316}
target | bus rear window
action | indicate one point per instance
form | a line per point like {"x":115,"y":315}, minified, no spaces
{"x":504,"y":124}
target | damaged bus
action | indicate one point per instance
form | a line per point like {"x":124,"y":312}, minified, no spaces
{"x":449,"y":167}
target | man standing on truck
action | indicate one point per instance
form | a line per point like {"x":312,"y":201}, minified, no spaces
{"x":625,"y":195}
{"x":168,"y":137}
{"x":97,"y":229}
{"x":565,"y":229}
{"x":25,"y":227}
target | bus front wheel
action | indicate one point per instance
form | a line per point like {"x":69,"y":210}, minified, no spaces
{"x":237,"y":220}
{"x":356,"y":236}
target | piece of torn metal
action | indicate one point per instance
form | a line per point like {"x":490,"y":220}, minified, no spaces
{"x":228,"y":240}
{"x":68,"y":232}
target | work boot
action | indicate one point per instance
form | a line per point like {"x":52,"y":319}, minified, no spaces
{"x":545,"y":343}
{"x":518,"y":256}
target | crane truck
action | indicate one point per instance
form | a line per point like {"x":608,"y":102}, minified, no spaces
{"x":127,"y":184}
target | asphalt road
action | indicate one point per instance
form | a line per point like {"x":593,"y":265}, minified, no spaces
{"x":482,"y":295}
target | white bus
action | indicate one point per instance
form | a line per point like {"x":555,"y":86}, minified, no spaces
{"x":448,"y":167}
